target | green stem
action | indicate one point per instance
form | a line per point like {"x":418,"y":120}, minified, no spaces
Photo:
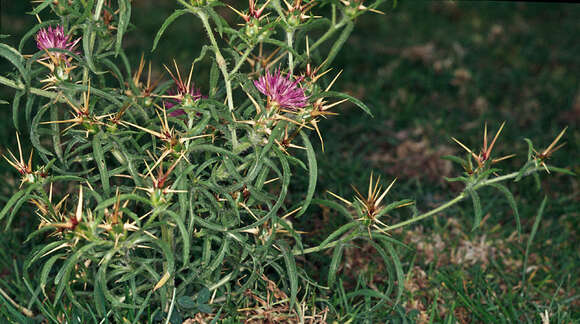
{"x":461,"y":196}
{"x":326,"y":246}
{"x":36,"y":91}
{"x":333,"y":29}
{"x":222,"y":65}
{"x":222,"y":282}
{"x":242,"y":60}
{"x":432,"y":212}
{"x":429,"y":213}
{"x":289,"y":38}
{"x":98,"y":10}
{"x":218,"y":57}
{"x":22,"y":309}
{"x":338,"y":43}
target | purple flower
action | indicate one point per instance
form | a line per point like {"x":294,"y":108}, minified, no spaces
{"x":55,"y":38}
{"x":281,"y":90}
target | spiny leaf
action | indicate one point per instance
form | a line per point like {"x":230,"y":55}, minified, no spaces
{"x":398,"y":270}
{"x":334,"y":263}
{"x":531,"y":238}
{"x":292,"y":272}
{"x":16,"y":109}
{"x":41,"y":7}
{"x":124,"y":18}
{"x":312,"y":174}
{"x":11,"y":202}
{"x":512,"y":202}
{"x":14,"y":57}
{"x":100,"y":160}
{"x":340,"y":95}
{"x":176,"y":14}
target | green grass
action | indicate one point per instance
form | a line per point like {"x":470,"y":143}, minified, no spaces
{"x":523,"y":62}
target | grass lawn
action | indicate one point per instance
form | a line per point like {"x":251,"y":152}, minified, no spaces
{"x":429,"y":71}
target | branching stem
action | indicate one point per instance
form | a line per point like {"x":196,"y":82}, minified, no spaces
{"x":222,"y":65}
{"x":36,"y":91}
{"x":289,"y":38}
{"x":430,"y":213}
{"x":22,"y":309}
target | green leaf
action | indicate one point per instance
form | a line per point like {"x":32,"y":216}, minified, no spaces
{"x":512,"y":202}
{"x":88,"y":40}
{"x":312,"y":174}
{"x":62,"y":277}
{"x":217,"y":261}
{"x":532,"y":235}
{"x":476,"y":207}
{"x":203,"y":295}
{"x":393,"y":205}
{"x":367,"y":293}
{"x":341,"y":230}
{"x":214,"y":75}
{"x":291,"y":271}
{"x":561,"y":170}
{"x":14,"y":201}
{"x":41,"y":7}
{"x":28,"y":108}
{"x":100,"y":160}
{"x":334,"y":205}
{"x":46,"y":270}
{"x":176,"y":14}
{"x":398,"y":270}
{"x":457,"y":179}
{"x":334,"y":263}
{"x":455,"y":159}
{"x":340,"y":95}
{"x":204,"y":308}
{"x":124,"y":18}
{"x":530,"y":148}
{"x":16,"y":108}
{"x":184,"y":235}
{"x":16,"y":59}
{"x":338,"y":43}
{"x":186,"y":302}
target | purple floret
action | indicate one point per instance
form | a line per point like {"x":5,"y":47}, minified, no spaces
{"x":282,"y":90}
{"x":55,"y":38}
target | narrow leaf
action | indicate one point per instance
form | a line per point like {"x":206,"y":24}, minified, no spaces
{"x":124,"y":18}
{"x":292,"y":272}
{"x":312,"y":174}
{"x":100,"y":160}
{"x":532,"y":235}
{"x":176,"y":14}
{"x":476,"y":207}
{"x":334,"y":263}
{"x":16,"y":59}
{"x":512,"y":202}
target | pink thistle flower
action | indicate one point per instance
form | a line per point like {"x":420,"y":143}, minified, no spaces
{"x":55,"y":38}
{"x":281,"y":90}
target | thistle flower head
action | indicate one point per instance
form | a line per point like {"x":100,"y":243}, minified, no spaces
{"x":281,"y":90}
{"x":485,"y":154}
{"x":185,"y":92}
{"x":179,"y":96}
{"x":48,"y":38}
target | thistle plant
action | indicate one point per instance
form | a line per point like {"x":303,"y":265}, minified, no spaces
{"x":155,"y":202}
